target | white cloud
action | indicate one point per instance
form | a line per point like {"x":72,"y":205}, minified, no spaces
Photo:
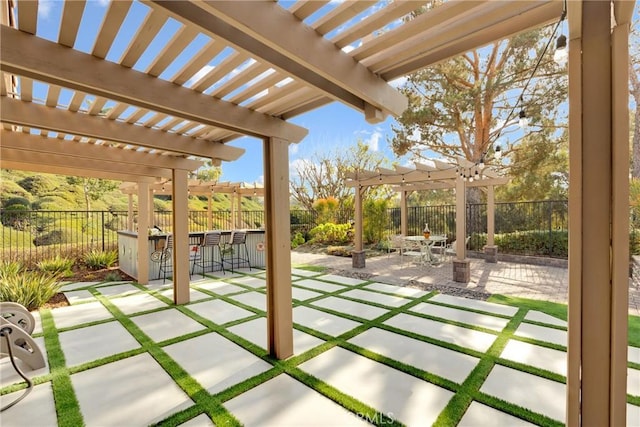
{"x":293,"y":148}
{"x":260,"y":180}
{"x":44,"y":8}
{"x":399,"y":82}
{"x":103,"y":3}
{"x":200,"y":74}
{"x":297,"y":164}
{"x":374,"y":139}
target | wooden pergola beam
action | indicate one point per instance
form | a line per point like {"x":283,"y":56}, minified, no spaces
{"x":49,"y":62}
{"x":31,"y":115}
{"x":77,"y":163}
{"x":299,"y":52}
{"x":61,"y":170}
{"x":45,"y":145}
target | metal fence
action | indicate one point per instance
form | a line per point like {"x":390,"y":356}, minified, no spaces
{"x":30,"y":236}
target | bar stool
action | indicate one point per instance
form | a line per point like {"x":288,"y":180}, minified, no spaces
{"x":166,"y":259}
{"x":210,"y":240}
{"x":233,"y":247}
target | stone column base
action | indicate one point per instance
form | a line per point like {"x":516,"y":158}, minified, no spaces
{"x":491,"y":254}
{"x":358,"y":259}
{"x":461,"y":271}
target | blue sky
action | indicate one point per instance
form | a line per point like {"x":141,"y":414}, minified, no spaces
{"x":331,"y":127}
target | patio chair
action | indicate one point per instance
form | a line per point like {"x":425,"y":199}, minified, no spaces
{"x":210,"y":243}
{"x":395,"y":243}
{"x":235,"y":250}
{"x":450,"y":250}
{"x":166,"y":260}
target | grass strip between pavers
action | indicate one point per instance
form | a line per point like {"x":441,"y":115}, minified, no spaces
{"x":67,"y":406}
{"x":203,"y":400}
{"x":212,"y":405}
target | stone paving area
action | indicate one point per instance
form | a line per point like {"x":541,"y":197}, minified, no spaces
{"x":366,"y":352}
{"x":506,"y":278}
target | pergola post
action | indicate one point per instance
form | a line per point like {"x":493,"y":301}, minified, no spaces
{"x":491,"y":250}
{"x":358,"y":259}
{"x":143,"y":233}
{"x":461,"y":265}
{"x":239,"y":210}
{"x":598,"y":213}
{"x":130,"y":213}
{"x":278,"y":248}
{"x":209,"y":213}
{"x":404,"y":217}
{"x":150,"y":211}
{"x":232,"y":199}
{"x":179,"y":200}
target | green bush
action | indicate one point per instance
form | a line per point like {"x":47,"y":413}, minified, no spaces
{"x":29,"y":288}
{"x":330,"y":233}
{"x":297,"y":240}
{"x":58,"y":265}
{"x":54,"y":237}
{"x":97,"y":260}
{"x":375,"y":220}
{"x":534,"y":242}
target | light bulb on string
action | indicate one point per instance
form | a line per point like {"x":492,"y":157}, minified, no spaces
{"x":523,"y":121}
{"x":498,"y":152}
{"x":561,"y":55}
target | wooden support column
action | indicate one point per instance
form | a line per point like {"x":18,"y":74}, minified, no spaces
{"x":143,"y":233}
{"x":278,"y":248}
{"x":598,"y":214}
{"x":358,"y":259}
{"x":461,"y":265}
{"x":151,"y":211}
{"x":491,"y":215}
{"x":232,"y":200}
{"x":404,"y":217}
{"x":239,"y":223}
{"x":130,"y":214}
{"x":209,"y":213}
{"x":490,"y":249}
{"x":179,"y":200}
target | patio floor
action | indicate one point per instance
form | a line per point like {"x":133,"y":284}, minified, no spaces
{"x":365,"y":352}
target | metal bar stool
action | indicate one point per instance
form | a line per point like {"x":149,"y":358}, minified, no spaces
{"x":166,"y":259}
{"x":210,"y":242}
{"x":232,"y":251}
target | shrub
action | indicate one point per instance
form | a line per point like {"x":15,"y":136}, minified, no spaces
{"x":29,"y":288}
{"x":58,"y":265}
{"x":297,"y":240}
{"x":326,"y":209}
{"x":54,"y":237}
{"x":375,"y":220}
{"x":533,"y":242}
{"x":330,"y":233}
{"x":97,"y":260}
{"x":112,"y":276}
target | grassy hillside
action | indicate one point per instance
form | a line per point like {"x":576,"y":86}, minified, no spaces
{"x":55,"y":192}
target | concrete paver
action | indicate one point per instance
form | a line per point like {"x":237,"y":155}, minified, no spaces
{"x":477,"y":415}
{"x":475,"y":340}
{"x":215,"y":362}
{"x":219,"y":311}
{"x":530,"y":391}
{"x":428,"y":357}
{"x":354,"y":308}
{"x":264,"y":406}
{"x":462,"y":316}
{"x":255,"y":331}
{"x":166,"y":324}
{"x":396,"y":394}
{"x":323,"y":322}
{"x":87,"y":344}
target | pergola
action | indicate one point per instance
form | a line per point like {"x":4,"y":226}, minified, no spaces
{"x":244,"y":69}
{"x":435,"y":176}
{"x":235,"y":191}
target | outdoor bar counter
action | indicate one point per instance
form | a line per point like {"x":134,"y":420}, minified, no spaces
{"x":128,"y":249}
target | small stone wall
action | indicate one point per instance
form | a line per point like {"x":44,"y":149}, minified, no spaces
{"x":635,"y":271}
{"x":523,"y":259}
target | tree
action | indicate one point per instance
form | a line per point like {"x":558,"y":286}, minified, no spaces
{"x":208,"y":172}
{"x":323,"y":176}
{"x":468,"y":105}
{"x":92,"y":188}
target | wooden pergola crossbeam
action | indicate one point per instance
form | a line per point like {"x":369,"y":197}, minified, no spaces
{"x":49,"y":62}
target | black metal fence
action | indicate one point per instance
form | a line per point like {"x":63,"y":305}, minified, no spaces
{"x":525,"y":227}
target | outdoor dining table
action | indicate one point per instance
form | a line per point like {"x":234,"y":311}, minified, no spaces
{"x":426,"y":243}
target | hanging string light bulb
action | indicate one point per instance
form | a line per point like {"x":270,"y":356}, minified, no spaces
{"x":523,"y":121}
